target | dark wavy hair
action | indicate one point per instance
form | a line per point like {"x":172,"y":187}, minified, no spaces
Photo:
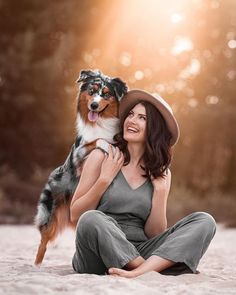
{"x":158,"y":153}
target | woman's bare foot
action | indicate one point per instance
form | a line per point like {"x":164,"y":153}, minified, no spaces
{"x":122,"y":273}
{"x":153,"y":263}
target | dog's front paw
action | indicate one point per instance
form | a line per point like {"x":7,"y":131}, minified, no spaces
{"x":103,"y":145}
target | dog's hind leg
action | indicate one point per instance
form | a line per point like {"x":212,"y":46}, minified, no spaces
{"x":47,"y":234}
{"x":50,"y":232}
{"x":41,"y":251}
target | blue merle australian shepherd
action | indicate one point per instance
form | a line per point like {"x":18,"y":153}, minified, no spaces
{"x":97,"y":112}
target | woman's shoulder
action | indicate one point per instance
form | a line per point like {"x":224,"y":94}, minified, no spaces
{"x":96,"y":155}
{"x":92,"y":162}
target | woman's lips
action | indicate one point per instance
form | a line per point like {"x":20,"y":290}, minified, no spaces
{"x":132,"y":129}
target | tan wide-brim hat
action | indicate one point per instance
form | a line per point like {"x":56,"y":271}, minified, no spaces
{"x":134,"y":96}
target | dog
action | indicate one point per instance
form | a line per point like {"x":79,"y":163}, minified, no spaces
{"x":97,"y":122}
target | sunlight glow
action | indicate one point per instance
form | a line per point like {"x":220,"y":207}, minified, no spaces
{"x":212,"y":99}
{"x":145,"y":35}
{"x":176,"y":18}
{"x":192,"y":102}
{"x":160,"y":88}
{"x":179,"y":84}
{"x":139,"y":75}
{"x":231,"y":75}
{"x":88,"y":58}
{"x":232,"y":44}
{"x":215,"y":4}
{"x":182,"y":44}
{"x":125,"y":59}
{"x":191,"y":70}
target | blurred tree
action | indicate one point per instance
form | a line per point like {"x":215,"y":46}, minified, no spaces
{"x":37,"y":79}
{"x":184,"y":50}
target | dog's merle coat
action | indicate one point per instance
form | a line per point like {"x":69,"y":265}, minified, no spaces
{"x":63,"y":180}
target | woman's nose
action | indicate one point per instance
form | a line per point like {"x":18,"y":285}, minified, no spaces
{"x":133,"y":119}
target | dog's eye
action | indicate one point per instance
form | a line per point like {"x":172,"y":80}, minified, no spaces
{"x":91,"y":91}
{"x":106,"y":95}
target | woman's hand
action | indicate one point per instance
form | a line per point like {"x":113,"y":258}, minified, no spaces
{"x":162,"y":183}
{"x":111,"y":164}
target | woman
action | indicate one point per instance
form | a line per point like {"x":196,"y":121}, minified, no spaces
{"x":120,"y":202}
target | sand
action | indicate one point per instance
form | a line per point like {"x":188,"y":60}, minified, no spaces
{"x":18,"y":275}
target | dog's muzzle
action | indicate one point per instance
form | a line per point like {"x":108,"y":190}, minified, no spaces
{"x":94,"y":105}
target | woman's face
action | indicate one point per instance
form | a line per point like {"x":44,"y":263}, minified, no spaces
{"x":135,"y":124}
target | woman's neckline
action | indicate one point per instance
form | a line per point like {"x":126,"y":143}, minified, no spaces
{"x":133,"y":189}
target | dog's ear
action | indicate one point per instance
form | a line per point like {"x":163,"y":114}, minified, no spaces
{"x":85,"y":75}
{"x":120,"y":88}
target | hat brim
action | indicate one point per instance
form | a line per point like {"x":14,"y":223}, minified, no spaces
{"x":134,"y":96}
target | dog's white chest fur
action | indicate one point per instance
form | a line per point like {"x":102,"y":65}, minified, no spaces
{"x":104,"y":128}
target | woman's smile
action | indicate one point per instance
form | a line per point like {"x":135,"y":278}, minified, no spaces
{"x":132,"y":129}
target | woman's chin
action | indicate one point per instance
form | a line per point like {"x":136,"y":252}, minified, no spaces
{"x":131,"y":138}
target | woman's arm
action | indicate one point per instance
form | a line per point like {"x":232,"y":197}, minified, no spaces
{"x":98,"y":172}
{"x":157,"y":221}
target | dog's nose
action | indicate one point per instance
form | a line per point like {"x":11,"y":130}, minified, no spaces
{"x":94,"y":105}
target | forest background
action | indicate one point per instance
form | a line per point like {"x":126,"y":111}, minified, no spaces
{"x":185,"y":50}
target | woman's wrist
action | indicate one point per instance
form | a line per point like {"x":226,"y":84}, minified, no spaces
{"x":159,"y":192}
{"x":104,"y":181}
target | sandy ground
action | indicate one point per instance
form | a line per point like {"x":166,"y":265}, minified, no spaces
{"x":18,"y":275}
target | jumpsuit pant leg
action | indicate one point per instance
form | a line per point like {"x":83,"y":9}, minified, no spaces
{"x":100,"y":244}
{"x":183,"y":243}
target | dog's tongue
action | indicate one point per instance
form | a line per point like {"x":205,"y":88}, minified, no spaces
{"x":92,"y":116}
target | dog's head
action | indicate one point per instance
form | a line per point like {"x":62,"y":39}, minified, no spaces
{"x":99,"y":95}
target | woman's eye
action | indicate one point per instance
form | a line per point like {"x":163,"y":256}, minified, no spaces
{"x":143,"y":118}
{"x":130,"y":114}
